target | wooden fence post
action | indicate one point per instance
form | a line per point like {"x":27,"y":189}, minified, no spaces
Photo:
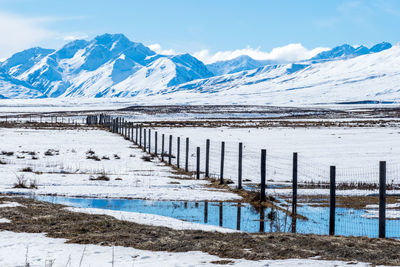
{"x":198,"y":163}
{"x":332,"y":204}
{"x":221,"y":177}
{"x":207,"y":158}
{"x":240,"y":158}
{"x":170,"y":150}
{"x":294,"y":196}
{"x":263,"y":174}
{"x":187,"y":155}
{"x":382,"y":199}
{"x":178,"y":151}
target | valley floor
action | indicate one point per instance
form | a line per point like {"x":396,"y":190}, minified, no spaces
{"x":80,"y":161}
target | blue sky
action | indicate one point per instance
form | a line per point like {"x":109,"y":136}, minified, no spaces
{"x":210,"y":29}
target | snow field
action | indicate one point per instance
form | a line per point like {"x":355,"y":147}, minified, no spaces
{"x":38,"y":250}
{"x":67,"y":171}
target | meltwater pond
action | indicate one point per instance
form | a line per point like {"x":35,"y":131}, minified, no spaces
{"x":242,"y":216}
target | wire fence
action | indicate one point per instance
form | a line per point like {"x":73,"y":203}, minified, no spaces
{"x":358,"y":190}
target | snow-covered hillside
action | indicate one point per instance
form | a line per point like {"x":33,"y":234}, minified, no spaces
{"x":371,"y":77}
{"x":110,"y":65}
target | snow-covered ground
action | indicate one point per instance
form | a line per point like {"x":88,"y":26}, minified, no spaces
{"x":17,"y":249}
{"x":65,"y":170}
{"x":151,"y":219}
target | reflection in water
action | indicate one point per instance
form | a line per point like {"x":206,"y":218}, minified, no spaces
{"x":239,"y":214}
{"x":348,"y":221}
{"x":205,"y":212}
{"x":220,"y":214}
{"x":262,"y":214}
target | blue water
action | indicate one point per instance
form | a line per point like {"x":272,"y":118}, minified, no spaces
{"x":349,"y":222}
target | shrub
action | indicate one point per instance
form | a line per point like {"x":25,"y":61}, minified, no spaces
{"x":21,"y":182}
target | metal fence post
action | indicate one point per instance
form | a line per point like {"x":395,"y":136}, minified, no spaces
{"x":155,"y":143}
{"x":198,"y":163}
{"x":240,"y":158}
{"x":170,"y":150}
{"x":162,"y":147}
{"x":207,"y":158}
{"x":221,"y":177}
{"x":263,"y":174}
{"x":187,"y":155}
{"x":294,"y":196}
{"x":332,"y":204}
{"x":178,"y":151}
{"x":382,"y":199}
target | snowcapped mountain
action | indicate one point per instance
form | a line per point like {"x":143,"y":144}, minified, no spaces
{"x":366,"y":78}
{"x":348,"y":51}
{"x":240,"y":63}
{"x":108,"y":65}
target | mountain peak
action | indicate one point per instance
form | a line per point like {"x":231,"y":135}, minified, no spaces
{"x":346,"y":51}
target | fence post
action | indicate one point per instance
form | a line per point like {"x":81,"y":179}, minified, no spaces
{"x":263,"y":173}
{"x":155,"y":143}
{"x":144,"y":139}
{"x":187,"y":155}
{"x":170,"y":150}
{"x":240,"y":158}
{"x":294,"y":196}
{"x":136,"y":135}
{"x":150,"y":141}
{"x":198,"y":163}
{"x":132,"y":131}
{"x":178,"y":151}
{"x":207,"y":158}
{"x":162,"y":147}
{"x":221,"y":177}
{"x":332,"y":205}
{"x":140,"y":136}
{"x":382,"y":199}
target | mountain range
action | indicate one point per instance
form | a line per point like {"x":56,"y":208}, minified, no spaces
{"x":111,"y":65}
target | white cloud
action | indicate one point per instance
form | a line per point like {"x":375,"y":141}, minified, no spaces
{"x":74,"y":36}
{"x":157,"y":48}
{"x":19,"y":32}
{"x":287,"y":53}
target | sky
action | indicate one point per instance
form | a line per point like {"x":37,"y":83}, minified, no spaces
{"x":211,"y":30}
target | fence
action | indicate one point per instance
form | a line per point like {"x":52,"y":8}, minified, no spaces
{"x":346,"y":213}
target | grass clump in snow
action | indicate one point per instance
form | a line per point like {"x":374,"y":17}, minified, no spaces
{"x":102,"y":177}
{"x":51,"y":152}
{"x":8,"y":154}
{"x":27,"y":169}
